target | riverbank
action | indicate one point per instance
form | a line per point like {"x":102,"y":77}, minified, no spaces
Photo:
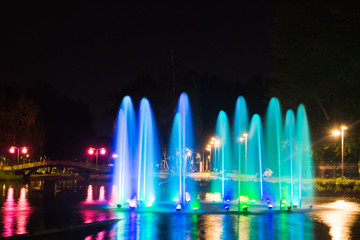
{"x":322,"y":186}
{"x":5,"y":176}
{"x":338,"y":186}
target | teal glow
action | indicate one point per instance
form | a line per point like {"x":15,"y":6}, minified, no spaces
{"x":222,"y":160}
{"x":273,"y":139}
{"x":288,"y":166}
{"x":181,"y":149}
{"x":305,"y":190}
{"x":272,"y":167}
{"x":241,"y":122}
{"x":251,"y":184}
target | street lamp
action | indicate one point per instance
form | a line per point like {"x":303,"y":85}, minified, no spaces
{"x":208,"y":166}
{"x":217,"y":152}
{"x":337,"y":133}
{"x":97,"y":151}
{"x":23,"y":150}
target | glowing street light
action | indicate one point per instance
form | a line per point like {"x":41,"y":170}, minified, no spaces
{"x":23,"y":150}
{"x":96,"y":151}
{"x":337,"y":133}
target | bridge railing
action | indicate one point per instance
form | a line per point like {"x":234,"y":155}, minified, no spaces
{"x":57,"y":163}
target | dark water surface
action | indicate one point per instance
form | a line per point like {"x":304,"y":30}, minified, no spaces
{"x":42,"y":205}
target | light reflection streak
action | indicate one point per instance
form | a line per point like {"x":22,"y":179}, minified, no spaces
{"x":213,"y":226}
{"x":243,"y":227}
{"x":340,"y":217}
{"x":102,"y":194}
{"x":23,"y":212}
{"x":89,"y":197}
{"x":100,"y":235}
{"x":12,"y":212}
{"x":9,"y":212}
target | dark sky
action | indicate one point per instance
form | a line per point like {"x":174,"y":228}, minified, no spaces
{"x":87,"y":51}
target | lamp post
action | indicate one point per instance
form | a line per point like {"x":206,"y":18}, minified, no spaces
{"x":208,"y":148}
{"x":96,"y":151}
{"x":337,"y":133}
{"x":13,"y":149}
{"x":217,"y":153}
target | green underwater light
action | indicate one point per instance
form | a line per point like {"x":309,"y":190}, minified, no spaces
{"x":244,"y":207}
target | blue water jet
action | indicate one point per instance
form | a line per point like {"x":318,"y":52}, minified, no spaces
{"x":147,"y":154}
{"x":181,"y":149}
{"x":124,"y":181}
{"x":223,"y":161}
{"x":136,"y":148}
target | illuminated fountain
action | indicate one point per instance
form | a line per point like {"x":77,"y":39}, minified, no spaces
{"x":180,"y":149}
{"x":223,"y":161}
{"x":241,"y":120}
{"x":278,"y":164}
{"x":252,"y":181}
{"x":272,"y":162}
{"x":264,"y":164}
{"x":136,"y":148}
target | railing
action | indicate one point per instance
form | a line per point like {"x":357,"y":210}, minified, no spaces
{"x":57,"y":163}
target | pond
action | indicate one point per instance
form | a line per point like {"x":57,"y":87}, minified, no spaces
{"x":41,"y":205}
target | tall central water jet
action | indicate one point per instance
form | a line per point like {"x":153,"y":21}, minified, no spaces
{"x":181,"y":148}
{"x":223,"y":159}
{"x":288,"y":164}
{"x":252,"y":185}
{"x":273,"y":141}
{"x":147,"y":154}
{"x":240,"y":134}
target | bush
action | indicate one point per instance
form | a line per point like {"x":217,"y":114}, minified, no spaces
{"x":339,"y":185}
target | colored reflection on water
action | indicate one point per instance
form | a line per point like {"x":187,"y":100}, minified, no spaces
{"x":94,"y":215}
{"x":18,"y":205}
{"x":340,"y":216}
{"x":15,"y":216}
{"x":89,"y":196}
{"x":23,"y":212}
{"x":102,"y":194}
{"x":9,"y":212}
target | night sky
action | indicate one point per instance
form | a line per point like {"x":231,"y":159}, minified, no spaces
{"x":87,"y":51}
